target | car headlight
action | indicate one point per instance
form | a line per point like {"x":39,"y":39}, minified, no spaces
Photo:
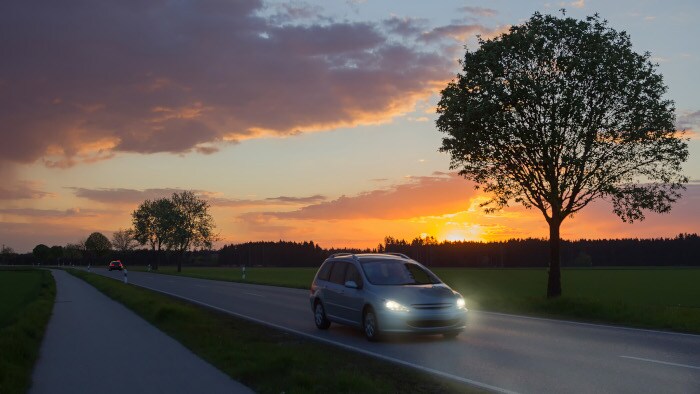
{"x":461,"y":304}
{"x":395,"y":306}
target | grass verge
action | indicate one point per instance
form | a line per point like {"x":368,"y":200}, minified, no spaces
{"x":27,"y":301}
{"x":265,"y":359}
{"x":645,"y":297}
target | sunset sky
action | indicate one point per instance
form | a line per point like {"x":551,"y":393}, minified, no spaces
{"x":302,"y":120}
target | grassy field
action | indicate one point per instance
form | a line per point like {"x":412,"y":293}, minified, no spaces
{"x":27,"y":300}
{"x":265,"y":359}
{"x":660,"y":298}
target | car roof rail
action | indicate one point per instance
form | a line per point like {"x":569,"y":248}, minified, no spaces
{"x":398,"y":254}
{"x":344,"y":254}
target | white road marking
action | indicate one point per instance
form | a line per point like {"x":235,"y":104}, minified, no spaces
{"x":661,"y":362}
{"x":577,"y":323}
{"x":253,"y":294}
{"x":342,"y":345}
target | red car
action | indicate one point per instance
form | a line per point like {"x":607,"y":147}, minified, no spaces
{"x":116,"y":265}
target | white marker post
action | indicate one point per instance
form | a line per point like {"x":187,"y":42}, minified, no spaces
{"x":125,"y":277}
{"x":88,"y":267}
{"x":243,"y":271}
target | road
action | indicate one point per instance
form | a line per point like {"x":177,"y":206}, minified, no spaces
{"x":96,"y":345}
{"x":502,"y":353}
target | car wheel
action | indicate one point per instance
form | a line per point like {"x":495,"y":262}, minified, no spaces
{"x":370,"y":325}
{"x":320,"y":318}
{"x":451,"y":334}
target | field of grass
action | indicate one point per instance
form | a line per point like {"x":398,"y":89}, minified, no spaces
{"x":26,"y":302}
{"x":265,"y":359}
{"x":660,"y":298}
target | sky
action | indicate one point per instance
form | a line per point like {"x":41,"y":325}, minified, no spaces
{"x":301,"y":120}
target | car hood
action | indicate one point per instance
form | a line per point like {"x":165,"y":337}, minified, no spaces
{"x":421,"y":294}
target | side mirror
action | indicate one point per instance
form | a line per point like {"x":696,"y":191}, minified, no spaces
{"x":351,"y":284}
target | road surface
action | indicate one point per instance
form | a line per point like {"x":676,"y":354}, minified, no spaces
{"x":95,"y":345}
{"x":502,"y":353}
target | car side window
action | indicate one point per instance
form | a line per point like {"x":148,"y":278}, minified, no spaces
{"x":338,"y":272}
{"x":325,"y":271}
{"x":352,"y":274}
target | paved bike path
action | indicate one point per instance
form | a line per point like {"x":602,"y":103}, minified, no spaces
{"x":95,"y":345}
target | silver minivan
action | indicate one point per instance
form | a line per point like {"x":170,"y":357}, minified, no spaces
{"x":385,"y":293}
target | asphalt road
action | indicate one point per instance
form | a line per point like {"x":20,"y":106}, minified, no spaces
{"x":95,"y":345}
{"x":504,"y":353}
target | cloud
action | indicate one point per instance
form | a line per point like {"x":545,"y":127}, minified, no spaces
{"x":100,"y":77}
{"x":479,"y":11}
{"x":421,"y":196}
{"x":51,"y":213}
{"x":124,"y":196}
{"x":21,"y":190}
{"x":282,"y":200}
{"x":457,"y":32}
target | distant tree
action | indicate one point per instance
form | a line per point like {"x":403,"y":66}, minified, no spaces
{"x":97,"y":244}
{"x":7,"y":250}
{"x":557,"y":113}
{"x":73,"y":252}
{"x":193,"y":225}
{"x":123,"y":240}
{"x":41,"y":252}
{"x":56,"y":253}
{"x":153,"y":224}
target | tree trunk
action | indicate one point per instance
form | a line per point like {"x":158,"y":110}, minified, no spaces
{"x":179,"y":261}
{"x":554,"y":277}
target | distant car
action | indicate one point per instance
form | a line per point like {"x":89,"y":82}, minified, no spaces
{"x":116,"y":265}
{"x":385,"y":293}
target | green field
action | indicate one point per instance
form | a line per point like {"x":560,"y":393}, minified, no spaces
{"x":662,"y":298}
{"x":27,"y":298}
{"x":265,"y":359}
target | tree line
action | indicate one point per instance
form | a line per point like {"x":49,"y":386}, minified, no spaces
{"x":682,"y":250}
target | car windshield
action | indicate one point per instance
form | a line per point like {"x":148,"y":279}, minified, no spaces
{"x":397,"y":272}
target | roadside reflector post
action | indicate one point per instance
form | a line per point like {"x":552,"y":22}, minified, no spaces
{"x":126,"y":280}
{"x":243,"y":271}
{"x":88,"y":267}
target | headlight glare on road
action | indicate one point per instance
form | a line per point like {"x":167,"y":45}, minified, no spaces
{"x":460,"y":303}
{"x":395,"y":306}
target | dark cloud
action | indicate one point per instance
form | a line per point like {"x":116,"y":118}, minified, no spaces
{"x":405,"y":27}
{"x":83,"y":80}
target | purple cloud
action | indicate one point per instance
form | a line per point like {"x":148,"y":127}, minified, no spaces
{"x":84,"y":80}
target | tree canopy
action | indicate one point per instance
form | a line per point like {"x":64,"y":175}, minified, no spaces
{"x":557,"y":113}
{"x":97,"y":243}
{"x":179,"y":223}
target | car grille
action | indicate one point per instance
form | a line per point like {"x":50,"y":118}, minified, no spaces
{"x":432,"y":323}
{"x":432,"y":306}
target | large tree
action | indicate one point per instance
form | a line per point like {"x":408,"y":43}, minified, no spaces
{"x":153,"y":224}
{"x":97,"y":244}
{"x":193,"y":225}
{"x":557,"y":113}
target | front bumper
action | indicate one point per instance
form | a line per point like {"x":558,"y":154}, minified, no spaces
{"x":422,"y":321}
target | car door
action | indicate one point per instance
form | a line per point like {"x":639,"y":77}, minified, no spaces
{"x":334,"y":287}
{"x":351,"y":301}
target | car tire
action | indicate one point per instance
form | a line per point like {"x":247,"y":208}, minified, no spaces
{"x":320,"y":318}
{"x":451,"y":334}
{"x":370,"y":325}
